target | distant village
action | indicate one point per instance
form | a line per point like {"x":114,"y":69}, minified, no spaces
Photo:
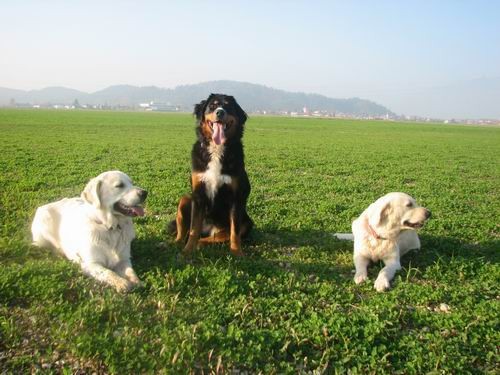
{"x":151,"y":106}
{"x":305,"y":112}
{"x":387,"y":117}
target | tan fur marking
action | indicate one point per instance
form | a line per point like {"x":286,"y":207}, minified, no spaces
{"x":211,"y":117}
{"x":234,"y":184}
{"x":194,"y":233}
{"x":195,"y":180}
{"x":229,"y":120}
{"x":235,"y":239}
{"x":206,"y":130}
{"x":219,"y":237}
{"x":182,"y":225}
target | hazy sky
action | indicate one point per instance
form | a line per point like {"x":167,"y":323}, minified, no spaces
{"x":386,"y":51}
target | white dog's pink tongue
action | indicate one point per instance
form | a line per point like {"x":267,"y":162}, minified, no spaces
{"x":218,"y":135}
{"x":138,"y":211}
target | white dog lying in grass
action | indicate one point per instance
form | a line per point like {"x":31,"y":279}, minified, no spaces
{"x":95,"y":230}
{"x":385,"y":231}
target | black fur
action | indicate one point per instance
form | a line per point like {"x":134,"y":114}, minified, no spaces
{"x":232,"y":107}
{"x":227,"y":200}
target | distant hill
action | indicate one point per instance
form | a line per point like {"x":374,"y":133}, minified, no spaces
{"x":252,"y":98}
{"x":48,"y":95}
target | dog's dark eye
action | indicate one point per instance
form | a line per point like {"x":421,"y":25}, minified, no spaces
{"x":121,"y":185}
{"x":409,"y":204}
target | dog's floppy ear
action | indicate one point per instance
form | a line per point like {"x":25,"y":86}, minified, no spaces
{"x":199,"y":109}
{"x":383,"y":212}
{"x":379,"y":212}
{"x":240,"y":113}
{"x":92,"y":192}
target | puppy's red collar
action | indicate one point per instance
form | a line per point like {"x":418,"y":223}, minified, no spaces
{"x":373,"y":232}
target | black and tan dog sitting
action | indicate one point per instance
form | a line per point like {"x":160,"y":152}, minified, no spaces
{"x":215,"y":211}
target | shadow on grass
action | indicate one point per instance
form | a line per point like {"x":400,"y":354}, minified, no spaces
{"x":435,"y":248}
{"x":272,"y":252}
{"x":267,"y":254}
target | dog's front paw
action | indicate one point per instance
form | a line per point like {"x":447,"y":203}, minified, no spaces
{"x":381,"y":284}
{"x":185,"y":257}
{"x":136,"y":283}
{"x":122,"y":285}
{"x":132,"y":277}
{"x":237,"y":253}
{"x":360,"y":277}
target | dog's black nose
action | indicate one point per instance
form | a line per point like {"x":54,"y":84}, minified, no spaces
{"x":220,"y":113}
{"x":428,"y":214}
{"x":143,"y":194}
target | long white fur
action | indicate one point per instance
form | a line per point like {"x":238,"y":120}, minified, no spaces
{"x":90,"y":233}
{"x":392,"y":239}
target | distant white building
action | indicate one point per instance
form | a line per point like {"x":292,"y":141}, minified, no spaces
{"x":158,"y":106}
{"x":163,"y":107}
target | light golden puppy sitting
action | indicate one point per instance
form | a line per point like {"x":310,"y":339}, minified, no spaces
{"x":96,"y":229}
{"x":385,"y":231}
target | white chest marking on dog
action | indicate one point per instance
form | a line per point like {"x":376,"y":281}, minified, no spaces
{"x":212,"y":177}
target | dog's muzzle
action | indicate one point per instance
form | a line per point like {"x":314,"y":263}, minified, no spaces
{"x":418,"y":224}
{"x":132,"y":211}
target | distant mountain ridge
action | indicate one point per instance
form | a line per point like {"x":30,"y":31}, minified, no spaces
{"x":252,"y":97}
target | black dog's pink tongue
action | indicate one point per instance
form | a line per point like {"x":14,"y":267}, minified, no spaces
{"x":218,"y":135}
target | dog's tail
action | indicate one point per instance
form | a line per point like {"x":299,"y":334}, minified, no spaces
{"x":344,"y":236}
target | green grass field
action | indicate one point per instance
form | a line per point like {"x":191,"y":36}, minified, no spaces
{"x":290,"y":305}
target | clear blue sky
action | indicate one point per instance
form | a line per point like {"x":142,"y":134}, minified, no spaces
{"x":381,"y":50}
